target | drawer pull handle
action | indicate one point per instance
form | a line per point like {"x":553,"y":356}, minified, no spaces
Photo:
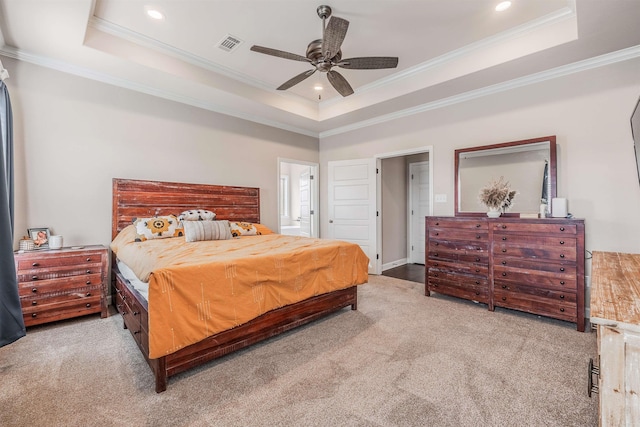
{"x":34,"y":290}
{"x":477,"y":282}
{"x":504,"y":286}
{"x":136,"y":332}
{"x":437,"y":234}
{"x":504,"y":238}
{"x":478,"y":225}
{"x":504,"y":274}
{"x":561,"y":255}
{"x":561,"y":228}
{"x":437,"y":244}
{"x":504,"y":262}
{"x":34,"y":302}
{"x":504,"y":298}
{"x":88,"y":282}
{"x":435,"y":254}
{"x":561,"y":268}
{"x":88,"y":271}
{"x":34,"y":315}
{"x":88,"y":259}
{"x":88,"y":304}
{"x":477,"y":270}
{"x":562,"y":310}
{"x":561,"y":296}
{"x":35,"y":264}
{"x":34,"y":277}
{"x":504,"y":227}
{"x":504,"y":250}
{"x":436,"y":264}
{"x":435,"y":274}
{"x":477,"y":259}
{"x":435,"y":285}
{"x":477,"y":293}
{"x":437,"y":223}
{"x":88,"y":294}
{"x":478,"y":236}
{"x":562,"y":242}
{"x":562,"y":282}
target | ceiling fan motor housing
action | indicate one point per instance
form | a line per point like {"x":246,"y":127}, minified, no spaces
{"x":314,"y":53}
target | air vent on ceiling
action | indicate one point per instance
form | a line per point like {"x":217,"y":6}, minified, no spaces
{"x":229,"y":43}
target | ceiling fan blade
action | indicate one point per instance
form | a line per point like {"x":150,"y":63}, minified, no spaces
{"x":297,"y":79}
{"x":369,"y":63}
{"x":279,"y":53}
{"x":339,"y":83}
{"x":334,"y":35}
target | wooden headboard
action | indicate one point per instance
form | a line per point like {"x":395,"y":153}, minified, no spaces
{"x":138,"y":199}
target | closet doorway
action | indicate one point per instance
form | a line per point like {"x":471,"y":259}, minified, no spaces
{"x":298,"y":198}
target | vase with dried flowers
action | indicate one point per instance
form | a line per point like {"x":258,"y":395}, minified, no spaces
{"x":497,"y":196}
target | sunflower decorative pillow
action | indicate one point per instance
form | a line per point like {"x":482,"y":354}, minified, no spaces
{"x":159,"y":227}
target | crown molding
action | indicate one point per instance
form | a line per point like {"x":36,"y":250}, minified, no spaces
{"x":576,"y":67}
{"x":88,"y":73}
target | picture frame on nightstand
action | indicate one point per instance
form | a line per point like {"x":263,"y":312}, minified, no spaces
{"x":40,"y":237}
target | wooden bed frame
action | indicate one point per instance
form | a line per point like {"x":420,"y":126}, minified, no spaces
{"x":134,"y":198}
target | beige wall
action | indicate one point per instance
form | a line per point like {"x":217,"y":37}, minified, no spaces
{"x":589,"y":112}
{"x":73,"y":135}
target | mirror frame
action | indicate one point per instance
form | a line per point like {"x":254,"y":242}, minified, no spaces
{"x":552,"y":171}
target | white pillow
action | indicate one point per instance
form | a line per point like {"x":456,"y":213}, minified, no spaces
{"x":195,"y":231}
{"x":197,"y":215}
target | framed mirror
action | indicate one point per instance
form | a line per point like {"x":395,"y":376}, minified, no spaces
{"x":529,"y":166}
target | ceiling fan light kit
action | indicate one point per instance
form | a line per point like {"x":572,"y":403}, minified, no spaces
{"x":325,"y":53}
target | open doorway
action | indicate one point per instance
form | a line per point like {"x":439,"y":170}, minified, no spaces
{"x":297,"y":198}
{"x":405,"y":200}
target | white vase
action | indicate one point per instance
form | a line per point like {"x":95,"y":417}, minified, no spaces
{"x":494,"y":213}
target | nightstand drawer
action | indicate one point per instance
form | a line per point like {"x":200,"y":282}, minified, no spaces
{"x":62,"y":310}
{"x":57,"y":285}
{"x":47,"y":261}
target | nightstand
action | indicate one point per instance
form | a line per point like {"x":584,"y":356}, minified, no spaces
{"x":62,"y":283}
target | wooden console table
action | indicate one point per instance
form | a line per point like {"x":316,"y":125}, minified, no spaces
{"x":615,"y":311}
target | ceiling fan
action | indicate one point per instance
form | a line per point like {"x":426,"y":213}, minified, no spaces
{"x":325,"y":53}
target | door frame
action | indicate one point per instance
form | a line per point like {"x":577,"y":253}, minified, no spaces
{"x":411,"y":207}
{"x":314,"y":188}
{"x":402,"y":153}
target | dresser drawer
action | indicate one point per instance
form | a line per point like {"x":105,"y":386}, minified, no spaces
{"x":456,"y":289}
{"x":453,"y":234}
{"x":62,"y":310}
{"x":57,"y":285}
{"x":39,"y":300}
{"x":457,"y":267}
{"x":57,"y":261}
{"x":558,"y":296}
{"x":541,"y":253}
{"x":58,"y":272}
{"x":528,"y":241}
{"x":457,"y":224}
{"x":535,"y":305}
{"x":542,"y":279}
{"x":535,"y":228}
{"x":459,"y":279}
{"x":566,"y":269}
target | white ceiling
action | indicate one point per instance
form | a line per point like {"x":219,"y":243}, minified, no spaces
{"x":449,"y":51}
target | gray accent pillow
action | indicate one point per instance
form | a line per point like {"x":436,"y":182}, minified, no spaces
{"x":195,"y":231}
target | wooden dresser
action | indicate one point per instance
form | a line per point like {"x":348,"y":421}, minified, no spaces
{"x":532,"y":265}
{"x":63,"y":283}
{"x":615,"y":312}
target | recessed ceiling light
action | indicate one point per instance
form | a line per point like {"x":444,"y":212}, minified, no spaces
{"x":155,"y":14}
{"x":503,"y":6}
{"x":318,"y":87}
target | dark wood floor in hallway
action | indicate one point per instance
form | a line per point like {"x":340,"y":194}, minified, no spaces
{"x":411,"y":272}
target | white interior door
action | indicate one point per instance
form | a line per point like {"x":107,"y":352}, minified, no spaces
{"x":305,"y":203}
{"x":419,"y":207}
{"x":352,"y":198}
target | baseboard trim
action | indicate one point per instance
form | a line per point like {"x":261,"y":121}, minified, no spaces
{"x":394,"y":264}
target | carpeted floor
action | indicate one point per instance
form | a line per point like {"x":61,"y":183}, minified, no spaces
{"x":401,"y":359}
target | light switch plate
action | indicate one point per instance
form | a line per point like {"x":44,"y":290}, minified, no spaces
{"x":441,"y":198}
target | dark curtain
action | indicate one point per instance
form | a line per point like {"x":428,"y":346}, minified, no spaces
{"x":11,"y":322}
{"x":545,"y":184}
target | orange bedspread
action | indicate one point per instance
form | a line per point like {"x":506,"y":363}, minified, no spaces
{"x":199,"y":289}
